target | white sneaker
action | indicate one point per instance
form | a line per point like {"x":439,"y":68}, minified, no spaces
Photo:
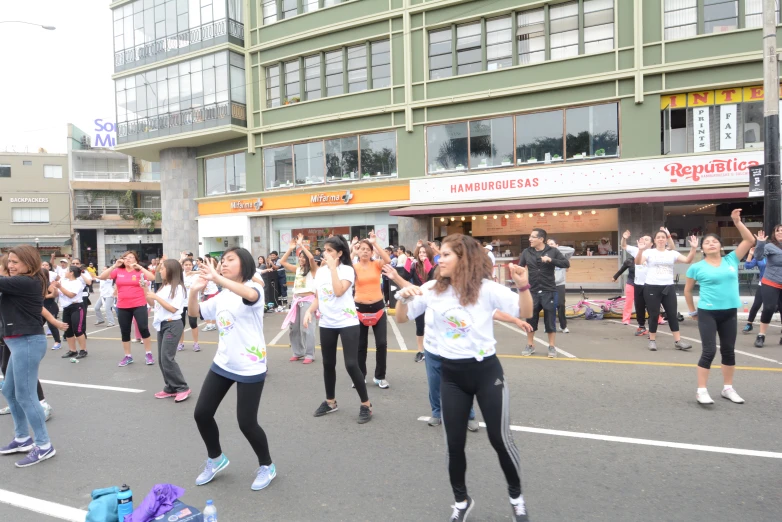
{"x":382,"y":383}
{"x":703,"y":397}
{"x":47,"y":409}
{"x":564,"y":330}
{"x":732,"y":396}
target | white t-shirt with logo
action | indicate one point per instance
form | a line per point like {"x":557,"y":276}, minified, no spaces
{"x":464,"y":332}
{"x":74,"y":286}
{"x":107,"y":288}
{"x":211,"y":288}
{"x":241,"y":347}
{"x":188,"y":280}
{"x":660,"y":265}
{"x":336,"y":312}
{"x":640,"y":270}
{"x":178,"y":301}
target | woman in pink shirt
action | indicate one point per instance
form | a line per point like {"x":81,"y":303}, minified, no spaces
{"x":128,"y":276}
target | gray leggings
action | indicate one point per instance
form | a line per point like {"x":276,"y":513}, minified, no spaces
{"x":302,"y":339}
{"x":167,"y":341}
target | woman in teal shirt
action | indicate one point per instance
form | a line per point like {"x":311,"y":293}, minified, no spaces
{"x":718,"y":278}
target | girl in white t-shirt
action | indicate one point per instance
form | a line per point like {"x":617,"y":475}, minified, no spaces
{"x":658,"y":288}
{"x":240,"y":359}
{"x":462,"y":302}
{"x":302,"y":339}
{"x":73,"y":312}
{"x":189,"y":276}
{"x":338,"y":319}
{"x":168,"y":303}
{"x":208,"y":293}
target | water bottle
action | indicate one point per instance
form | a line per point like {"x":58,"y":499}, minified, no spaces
{"x":210,"y":512}
{"x":124,"y":502}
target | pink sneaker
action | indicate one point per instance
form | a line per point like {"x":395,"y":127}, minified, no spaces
{"x":164,"y":395}
{"x":149,"y":359}
{"x":182,"y":395}
{"x":294,"y":358}
{"x":307,"y":360}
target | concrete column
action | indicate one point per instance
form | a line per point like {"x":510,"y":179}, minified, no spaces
{"x":641,"y":219}
{"x":101,"y":253}
{"x":178,"y":188}
{"x":259,"y":236}
{"x":411,"y":229}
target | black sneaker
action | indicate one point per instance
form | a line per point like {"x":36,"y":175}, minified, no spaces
{"x":759,"y":340}
{"x":519,"y":512}
{"x":82,"y":354}
{"x":747,"y":328}
{"x":460,"y":515}
{"x":419,"y":356}
{"x":325,"y":409}
{"x":69,"y":354}
{"x":364,"y":414}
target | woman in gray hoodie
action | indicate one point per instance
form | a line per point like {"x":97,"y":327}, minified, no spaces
{"x":559,"y":280}
{"x":769,"y":249}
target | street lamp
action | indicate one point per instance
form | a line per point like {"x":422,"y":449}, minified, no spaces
{"x":139,"y":248}
{"x":47,"y":27}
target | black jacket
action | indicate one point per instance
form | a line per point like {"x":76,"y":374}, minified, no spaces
{"x":541,"y":275}
{"x":20,"y":307}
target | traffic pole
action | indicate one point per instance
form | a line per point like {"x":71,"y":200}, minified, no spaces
{"x":772,"y":199}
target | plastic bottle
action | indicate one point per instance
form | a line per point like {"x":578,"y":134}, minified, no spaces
{"x":124,"y":502}
{"x":745,"y":307}
{"x":210,"y":512}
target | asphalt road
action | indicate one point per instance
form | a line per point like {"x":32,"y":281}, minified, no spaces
{"x":393,"y":468}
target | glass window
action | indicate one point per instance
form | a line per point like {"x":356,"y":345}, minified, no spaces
{"x":468,"y":48}
{"x":592,"y":131}
{"x":440,"y":54}
{"x":334,"y":83}
{"x":539,"y":137}
{"x":30,"y":215}
{"x":498,"y":43}
{"x":52,"y":171}
{"x":381,"y":64}
{"x":681,"y":18}
{"x":357,"y":68}
{"x":563,"y":27}
{"x":312,"y":77}
{"x":446,"y":147}
{"x":215,"y":176}
{"x":310,"y":165}
{"x":5,"y":171}
{"x":273,"y":86}
{"x":269,"y":11}
{"x":292,"y":89}
{"x":289,"y":8}
{"x":720,"y":15}
{"x":753,"y":123}
{"x":598,"y":25}
{"x":378,"y":154}
{"x":236,"y":173}
{"x":238,"y":92}
{"x":491,"y":143}
{"x":278,"y":166}
{"x":753,"y":13}
{"x":309,"y":6}
{"x":531,"y":34}
{"x":342,"y":158}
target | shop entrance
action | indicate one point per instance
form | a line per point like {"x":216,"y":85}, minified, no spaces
{"x":215,"y":246}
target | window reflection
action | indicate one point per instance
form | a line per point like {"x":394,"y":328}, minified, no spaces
{"x":378,"y":154}
{"x":342,"y":158}
{"x":309,"y":163}
{"x":491,"y":143}
{"x":592,"y":131}
{"x":539,"y":137}
{"x":278,"y":166}
{"x":446,"y":147}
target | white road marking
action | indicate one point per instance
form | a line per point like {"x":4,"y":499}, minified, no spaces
{"x":693,"y":339}
{"x":397,"y":333}
{"x":43,"y":507}
{"x":279,"y":336}
{"x":93,"y":386}
{"x":642,"y":442}
{"x":541,"y":341}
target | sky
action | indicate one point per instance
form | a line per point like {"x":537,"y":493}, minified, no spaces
{"x":52,"y":78}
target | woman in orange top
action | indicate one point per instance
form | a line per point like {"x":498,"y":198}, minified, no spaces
{"x":370,"y":305}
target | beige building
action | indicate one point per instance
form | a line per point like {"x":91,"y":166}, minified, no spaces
{"x":35,"y":202}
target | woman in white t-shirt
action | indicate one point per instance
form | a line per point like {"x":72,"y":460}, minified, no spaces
{"x":168,"y":303}
{"x":240,"y":359}
{"x":338,"y":319}
{"x":188,"y":277}
{"x":209,"y":292}
{"x":302,"y":339}
{"x":463,"y":301}
{"x":73,"y":312}
{"x":658,"y":288}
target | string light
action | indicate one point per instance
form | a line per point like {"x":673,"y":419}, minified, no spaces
{"x":442,"y":220}
{"x":485,"y":217}
{"x":462,"y":218}
{"x":530,"y":214}
{"x":579,"y":212}
{"x":495,"y":216}
{"x":594,"y":212}
{"x":567,"y":212}
{"x":506,"y":216}
{"x":554,"y":214}
{"x":542,"y":214}
{"x":518,"y":216}
{"x":474,"y":218}
{"x":453,"y":218}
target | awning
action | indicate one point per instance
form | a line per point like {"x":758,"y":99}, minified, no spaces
{"x":7,"y":242}
{"x":574,"y":202}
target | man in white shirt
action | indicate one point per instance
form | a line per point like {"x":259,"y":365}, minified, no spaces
{"x":106,"y":299}
{"x":61,"y":269}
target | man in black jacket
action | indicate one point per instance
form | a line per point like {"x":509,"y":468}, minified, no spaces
{"x":541,"y":260}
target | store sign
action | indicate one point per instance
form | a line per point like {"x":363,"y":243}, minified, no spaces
{"x":585,"y":178}
{"x":331,"y":198}
{"x":247,"y":204}
{"x":700,"y":117}
{"x":728,"y":127}
{"x":757,"y":181}
{"x":29,"y":200}
{"x":105,"y":134}
{"x":716,"y":97}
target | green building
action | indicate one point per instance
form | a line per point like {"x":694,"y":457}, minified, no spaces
{"x":423,"y":118}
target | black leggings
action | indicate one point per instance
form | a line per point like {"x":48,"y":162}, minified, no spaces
{"x":771,"y":297}
{"x":192,"y":320}
{"x":328,"y":349}
{"x":717,"y":322}
{"x":248,"y":398}
{"x":463,"y":380}
{"x":640,"y":305}
{"x":656,"y":295}
{"x":125,"y":317}
{"x":5,"y":357}
{"x":420,"y":325}
{"x":51,"y":306}
{"x":380,"y":330}
{"x":757,"y":303}
{"x":76,"y":318}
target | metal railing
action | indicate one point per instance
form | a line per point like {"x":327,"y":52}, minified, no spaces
{"x":216,"y":111}
{"x":102,"y":176}
{"x":180,"y":40}
{"x":98,"y":212}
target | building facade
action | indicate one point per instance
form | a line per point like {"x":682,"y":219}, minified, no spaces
{"x":419,"y":119}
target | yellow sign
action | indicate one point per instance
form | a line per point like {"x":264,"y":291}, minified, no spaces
{"x":719,"y":97}
{"x":698,"y":99}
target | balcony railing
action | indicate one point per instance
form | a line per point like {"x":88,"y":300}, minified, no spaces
{"x":86,"y":212}
{"x":180,"y":40}
{"x":216,"y":111}
{"x":101,"y":176}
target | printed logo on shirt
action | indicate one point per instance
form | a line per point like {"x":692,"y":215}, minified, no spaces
{"x":458,"y":322}
{"x":349,"y":312}
{"x":326,"y":294}
{"x":255,"y":355}
{"x":225,"y":322}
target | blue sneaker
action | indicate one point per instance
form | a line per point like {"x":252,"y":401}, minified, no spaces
{"x":17,"y":447}
{"x":264,"y":477}
{"x":35,"y":456}
{"x":56,"y":346}
{"x":211,"y":468}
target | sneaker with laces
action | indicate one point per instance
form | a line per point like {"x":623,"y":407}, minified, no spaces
{"x":181,"y":396}
{"x":460,"y":514}
{"x":35,"y":456}
{"x":325,"y":408}
{"x":419,"y":356}
{"x":196,"y":347}
{"x":472,"y":425}
{"x":206,"y":328}
{"x":263,"y":477}
{"x":703,"y":397}
{"x":69,"y":354}
{"x":212,"y":468}
{"x":759,"y":340}
{"x":56,"y":346}
{"x":98,"y":322}
{"x":434,"y":421}
{"x":732,"y":396}
{"x":682,"y":345}
{"x":747,"y":328}
{"x":529,"y":350}
{"x":47,"y":410}
{"x":552,"y":352}
{"x":148,"y":359}
{"x":565,"y":330}
{"x":180,"y":347}
{"x":82,"y":354}
{"x":641,"y":330}
{"x":364,"y":414}
{"x":5,"y":411}
{"x":17,"y":447}
{"x":382,"y":383}
{"x":164,"y":395}
{"x":652,"y":345}
{"x":126,"y":361}
{"x":519,"y":511}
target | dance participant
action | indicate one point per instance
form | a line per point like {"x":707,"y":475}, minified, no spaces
{"x":71,"y":302}
{"x":302,"y":339}
{"x":769,"y":249}
{"x":189,"y":275}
